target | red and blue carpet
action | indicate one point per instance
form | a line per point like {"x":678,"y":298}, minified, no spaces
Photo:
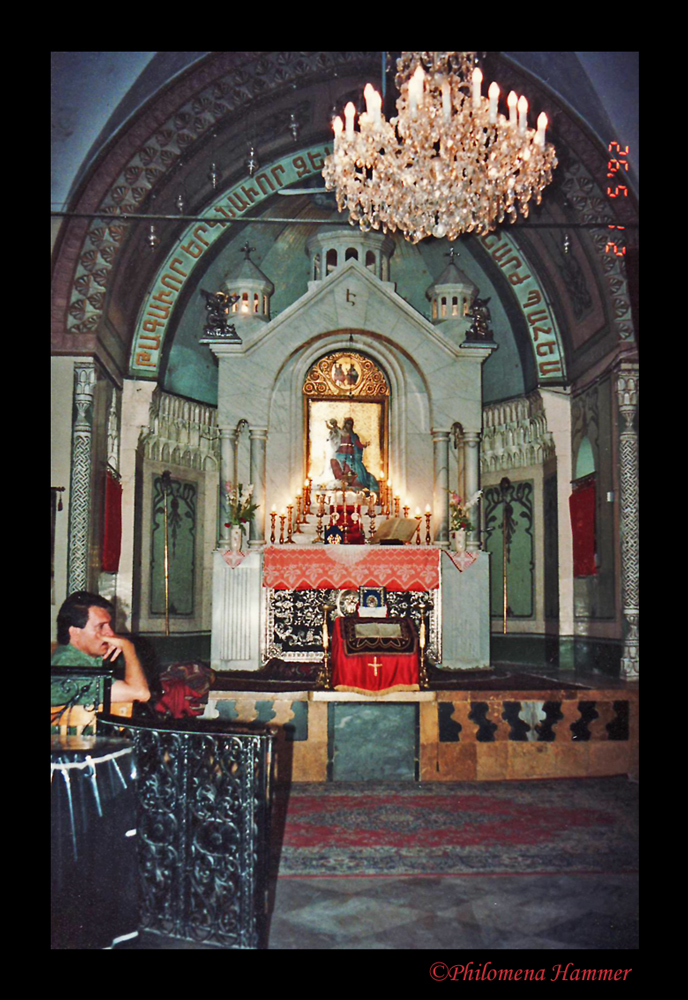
{"x":510,"y":827}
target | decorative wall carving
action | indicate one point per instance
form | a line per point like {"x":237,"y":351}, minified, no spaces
{"x":515,"y":434}
{"x":250,"y":75}
{"x":592,"y":206}
{"x":81,"y":477}
{"x":182,"y":432}
{"x":627,"y":394}
{"x":345,"y":373}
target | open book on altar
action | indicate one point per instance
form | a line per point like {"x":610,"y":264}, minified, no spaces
{"x":378,"y":630}
{"x":396,"y":531}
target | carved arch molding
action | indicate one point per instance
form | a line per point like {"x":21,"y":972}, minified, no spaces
{"x":207,"y":102}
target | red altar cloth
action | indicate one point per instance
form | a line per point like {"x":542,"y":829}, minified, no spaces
{"x":394,"y":671}
{"x":395,"y":567}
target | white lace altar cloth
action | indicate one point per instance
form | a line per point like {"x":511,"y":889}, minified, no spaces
{"x":462,"y":560}
{"x":233,"y":559}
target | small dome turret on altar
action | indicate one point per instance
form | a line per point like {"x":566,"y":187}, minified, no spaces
{"x":252,"y":288}
{"x":329,"y":249}
{"x":452,"y":294}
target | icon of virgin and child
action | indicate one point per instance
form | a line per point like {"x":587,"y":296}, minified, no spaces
{"x":344,"y":456}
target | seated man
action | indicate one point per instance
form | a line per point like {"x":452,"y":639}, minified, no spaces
{"x":86,"y":639}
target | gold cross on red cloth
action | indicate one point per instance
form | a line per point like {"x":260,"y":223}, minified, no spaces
{"x":375,"y":665}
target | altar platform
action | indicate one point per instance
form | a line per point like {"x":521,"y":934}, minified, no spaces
{"x":483,"y":725}
{"x":467,"y":721}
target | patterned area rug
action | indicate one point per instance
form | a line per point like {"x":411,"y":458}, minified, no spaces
{"x":514,"y":828}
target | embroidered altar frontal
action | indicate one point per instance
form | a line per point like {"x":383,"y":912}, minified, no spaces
{"x":300,"y":584}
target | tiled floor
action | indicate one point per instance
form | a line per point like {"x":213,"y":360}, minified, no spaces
{"x":467,"y":913}
{"x":471,"y":912}
{"x":454,"y":913}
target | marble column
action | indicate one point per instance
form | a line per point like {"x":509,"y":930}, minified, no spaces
{"x":440,"y":445}
{"x":226,"y":476}
{"x":81,"y":477}
{"x":471,"y":446}
{"x":627,"y":395}
{"x":258,"y":438}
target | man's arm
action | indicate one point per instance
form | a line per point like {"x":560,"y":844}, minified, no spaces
{"x":134,"y":687}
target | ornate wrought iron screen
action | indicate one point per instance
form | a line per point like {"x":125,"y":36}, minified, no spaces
{"x":203,"y":791}
{"x":70,"y":686}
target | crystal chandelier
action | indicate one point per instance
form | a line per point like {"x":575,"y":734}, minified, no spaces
{"x":449,"y":163}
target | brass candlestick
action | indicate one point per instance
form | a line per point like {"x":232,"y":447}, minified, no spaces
{"x":290,"y":508}
{"x":298,"y":514}
{"x":324,"y":674}
{"x":273,"y":517}
{"x":306,"y":498}
{"x":320,"y":502}
{"x":422,"y":643}
{"x":396,"y":506}
{"x":406,"y":512}
{"x":371,"y":515}
{"x":428,"y":515}
{"x":381,"y":494}
{"x":283,"y":518}
{"x":418,"y":519}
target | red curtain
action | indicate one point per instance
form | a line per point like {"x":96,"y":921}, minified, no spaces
{"x":112,"y":527}
{"x":582,"y":503}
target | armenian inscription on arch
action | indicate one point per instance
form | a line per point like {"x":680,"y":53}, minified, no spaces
{"x":542,"y":326}
{"x":157,"y":308}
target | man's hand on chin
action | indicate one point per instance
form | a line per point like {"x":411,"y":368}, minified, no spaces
{"x":115,"y":644}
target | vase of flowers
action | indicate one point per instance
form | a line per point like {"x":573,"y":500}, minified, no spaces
{"x":239,"y":511}
{"x":459,"y":519}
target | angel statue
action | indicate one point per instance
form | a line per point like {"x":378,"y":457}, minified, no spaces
{"x":480,"y":327}
{"x":217,"y":305}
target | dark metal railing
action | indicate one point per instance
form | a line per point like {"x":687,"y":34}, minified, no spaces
{"x":203,"y":792}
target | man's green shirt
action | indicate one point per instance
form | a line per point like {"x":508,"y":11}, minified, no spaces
{"x":70,"y":656}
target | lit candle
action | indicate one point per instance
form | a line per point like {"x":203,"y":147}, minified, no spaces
{"x":541,"y":126}
{"x":512,"y":101}
{"x":373,"y":104}
{"x":337,"y":128}
{"x":477,"y":80}
{"x":349,"y":112}
{"x":415,"y":89}
{"x":368,"y":94}
{"x":522,"y":114}
{"x":377,"y":108}
{"x":494,"y":97}
{"x":446,"y":100}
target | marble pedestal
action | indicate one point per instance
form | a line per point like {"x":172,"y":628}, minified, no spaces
{"x":236,"y":622}
{"x":466,"y":614}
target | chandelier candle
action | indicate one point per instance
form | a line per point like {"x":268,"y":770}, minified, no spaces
{"x":448,"y":163}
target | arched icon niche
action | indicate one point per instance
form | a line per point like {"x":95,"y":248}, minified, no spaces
{"x":346,"y":399}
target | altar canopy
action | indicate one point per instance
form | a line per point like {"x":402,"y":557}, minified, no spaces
{"x":397,"y":568}
{"x":374,"y":657}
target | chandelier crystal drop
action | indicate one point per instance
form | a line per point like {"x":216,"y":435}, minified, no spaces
{"x":449,"y":163}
